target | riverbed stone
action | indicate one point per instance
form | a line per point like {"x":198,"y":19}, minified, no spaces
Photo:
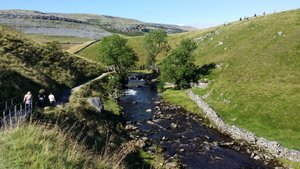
{"x":130,"y":127}
{"x":256,"y":157}
{"x":171,"y":165}
{"x":173,"y":125}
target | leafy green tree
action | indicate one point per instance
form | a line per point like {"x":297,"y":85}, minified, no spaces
{"x":155,"y":43}
{"x":178,"y":67}
{"x":115,"y":52}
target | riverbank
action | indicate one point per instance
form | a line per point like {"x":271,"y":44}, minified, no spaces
{"x":182,"y":138}
{"x":268,"y":149}
{"x":180,"y":98}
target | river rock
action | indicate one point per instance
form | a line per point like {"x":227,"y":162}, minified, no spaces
{"x":150,"y":122}
{"x":157,"y":102}
{"x":252,"y":155}
{"x":130,"y":127}
{"x":145,"y":138}
{"x":173,"y":125}
{"x":256,"y":157}
{"x":171,"y":165}
{"x":140,"y":143}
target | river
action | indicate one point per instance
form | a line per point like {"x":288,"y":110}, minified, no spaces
{"x":182,"y":136}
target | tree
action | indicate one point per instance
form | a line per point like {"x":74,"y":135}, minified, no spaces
{"x":115,"y":52}
{"x":155,"y":43}
{"x":178,"y":67}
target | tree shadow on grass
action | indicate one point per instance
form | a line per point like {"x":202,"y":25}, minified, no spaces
{"x":205,"y":69}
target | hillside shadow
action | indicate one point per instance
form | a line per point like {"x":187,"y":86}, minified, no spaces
{"x":16,"y":84}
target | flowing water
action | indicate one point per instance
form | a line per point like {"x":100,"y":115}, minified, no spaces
{"x":182,"y":136}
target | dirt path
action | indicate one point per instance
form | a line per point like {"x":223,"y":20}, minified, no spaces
{"x":67,"y":93}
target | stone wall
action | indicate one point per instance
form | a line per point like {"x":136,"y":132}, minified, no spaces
{"x":269,"y":148}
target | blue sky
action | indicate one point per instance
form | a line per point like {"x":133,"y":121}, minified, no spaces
{"x":187,"y":12}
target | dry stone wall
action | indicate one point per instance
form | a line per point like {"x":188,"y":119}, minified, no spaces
{"x":269,"y":148}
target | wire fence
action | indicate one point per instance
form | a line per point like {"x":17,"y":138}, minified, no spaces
{"x":8,"y":103}
{"x":13,"y":113}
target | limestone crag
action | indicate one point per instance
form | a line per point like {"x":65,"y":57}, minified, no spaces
{"x":78,"y":25}
{"x":22,"y":14}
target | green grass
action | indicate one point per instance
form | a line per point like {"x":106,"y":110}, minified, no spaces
{"x":36,"y":147}
{"x":91,"y":52}
{"x":180,"y":98}
{"x":257,"y":85}
{"x":290,"y":164}
{"x":69,"y":43}
{"x":111,"y":105}
{"x":60,"y":39}
{"x":146,"y":71}
{"x":78,"y":47}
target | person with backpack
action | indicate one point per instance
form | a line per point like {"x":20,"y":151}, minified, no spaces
{"x":42,"y":98}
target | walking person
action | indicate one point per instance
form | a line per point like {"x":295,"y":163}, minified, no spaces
{"x":42,"y":98}
{"x":28,"y":101}
{"x":51,"y":100}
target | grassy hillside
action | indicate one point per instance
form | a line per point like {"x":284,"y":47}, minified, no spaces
{"x":73,"y":136}
{"x":60,"y":39}
{"x":66,"y":42}
{"x":26,"y":65}
{"x":91,"y":52}
{"x":256,"y":84}
{"x":35,"y":147}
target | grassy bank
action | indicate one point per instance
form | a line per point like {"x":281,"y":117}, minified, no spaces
{"x":82,"y":137}
{"x":34,"y":146}
{"x":180,"y":98}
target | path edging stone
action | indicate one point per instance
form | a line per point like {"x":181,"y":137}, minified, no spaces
{"x":273,"y":148}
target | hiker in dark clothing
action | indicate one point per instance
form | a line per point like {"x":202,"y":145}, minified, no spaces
{"x":42,"y":98}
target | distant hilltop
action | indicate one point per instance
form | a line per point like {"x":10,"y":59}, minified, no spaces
{"x":79,"y":25}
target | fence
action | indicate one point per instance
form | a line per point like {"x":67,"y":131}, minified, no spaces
{"x":13,"y":113}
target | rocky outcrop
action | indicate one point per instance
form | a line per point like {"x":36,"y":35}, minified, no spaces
{"x":78,"y":25}
{"x":13,"y":14}
{"x":267,"y":148}
{"x":96,"y":103}
{"x":35,"y":22}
